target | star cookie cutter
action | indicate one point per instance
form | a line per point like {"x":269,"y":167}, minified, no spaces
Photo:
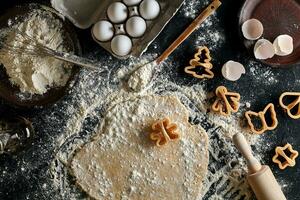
{"x":290,"y":160}
{"x":262,"y":116}
{"x":163,"y":131}
{"x":293,"y":106}
{"x":226,"y":102}
{"x":201,"y":60}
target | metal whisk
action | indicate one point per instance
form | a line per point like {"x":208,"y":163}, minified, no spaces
{"x":31,"y":46}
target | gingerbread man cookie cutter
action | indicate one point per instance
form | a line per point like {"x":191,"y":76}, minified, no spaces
{"x":290,"y":160}
{"x":262,"y":116}
{"x":201,"y":60}
{"x":163,"y":131}
{"x":226,"y":102}
{"x":292,"y":106}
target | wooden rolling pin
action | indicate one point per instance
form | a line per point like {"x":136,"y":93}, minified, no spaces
{"x":260,"y":177}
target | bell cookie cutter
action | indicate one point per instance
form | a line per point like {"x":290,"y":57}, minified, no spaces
{"x":262,"y":116}
{"x":163,"y":131}
{"x":290,"y":159}
{"x":201,"y":60}
{"x":294,"y":105}
{"x":226,"y":102}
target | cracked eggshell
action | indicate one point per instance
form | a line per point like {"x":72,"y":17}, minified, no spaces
{"x":149,"y":9}
{"x":232,"y":70}
{"x":121,"y":45}
{"x":283,"y":45}
{"x":264,"y":49}
{"x":252,"y":29}
{"x":103,"y":31}
{"x":117,"y":12}
{"x":136,"y":26}
{"x":131,"y":2}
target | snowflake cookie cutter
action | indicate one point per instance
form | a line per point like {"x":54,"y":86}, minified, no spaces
{"x":262,"y":117}
{"x":163,"y":131}
{"x":226,"y":102}
{"x":292,"y":106}
{"x":290,"y":160}
{"x":201,"y":60}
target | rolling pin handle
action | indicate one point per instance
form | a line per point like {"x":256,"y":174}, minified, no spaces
{"x":242,"y":145}
{"x":260,"y":178}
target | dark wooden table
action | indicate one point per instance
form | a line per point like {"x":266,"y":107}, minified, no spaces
{"x":22,"y":176}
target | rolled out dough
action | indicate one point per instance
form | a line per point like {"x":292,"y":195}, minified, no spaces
{"x":123,"y":163}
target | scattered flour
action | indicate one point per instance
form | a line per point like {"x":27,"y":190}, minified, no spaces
{"x":96,"y":92}
{"x":262,"y":74}
{"x":190,"y":7}
{"x":34,"y":74}
{"x":211,"y":36}
{"x":208,"y":35}
{"x":226,"y":172}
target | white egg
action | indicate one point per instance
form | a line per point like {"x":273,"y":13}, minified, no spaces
{"x":121,"y":45}
{"x":232,"y":70}
{"x":131,"y":2}
{"x":252,"y":29}
{"x":117,"y":12}
{"x":136,"y":26}
{"x":103,"y":31}
{"x":283,"y":45}
{"x":149,"y":9}
{"x":264,"y":49}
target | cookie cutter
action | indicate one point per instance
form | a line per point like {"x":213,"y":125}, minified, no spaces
{"x":290,"y":160}
{"x":201,"y":59}
{"x":265,"y":126}
{"x":291,"y":106}
{"x":163,"y":131}
{"x":226,"y":102}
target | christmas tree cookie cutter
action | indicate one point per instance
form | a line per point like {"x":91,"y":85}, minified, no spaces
{"x":262,"y":117}
{"x":226,"y":102}
{"x":202,"y":59}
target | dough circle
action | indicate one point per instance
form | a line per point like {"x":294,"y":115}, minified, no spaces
{"x":123,"y":163}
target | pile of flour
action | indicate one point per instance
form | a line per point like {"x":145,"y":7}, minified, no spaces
{"x":34,"y":74}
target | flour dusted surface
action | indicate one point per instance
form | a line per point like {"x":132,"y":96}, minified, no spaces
{"x":225,"y":177}
{"x":122,"y":163}
{"x":226,"y":171}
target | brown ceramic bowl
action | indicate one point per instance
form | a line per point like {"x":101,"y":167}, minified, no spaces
{"x":278,"y":17}
{"x":12,"y":93}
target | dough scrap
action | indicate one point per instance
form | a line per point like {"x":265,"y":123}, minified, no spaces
{"x":122,"y":162}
